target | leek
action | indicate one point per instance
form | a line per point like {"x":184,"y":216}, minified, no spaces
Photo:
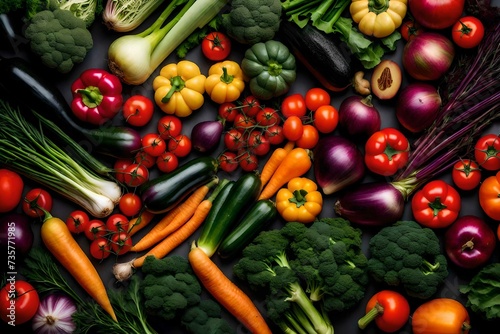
{"x":25,"y":149}
{"x":127,"y":15}
{"x":133,"y":58}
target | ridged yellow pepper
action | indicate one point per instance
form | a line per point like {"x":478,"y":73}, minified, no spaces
{"x":378,"y":18}
{"x":179,"y":88}
{"x":225,"y":81}
{"x":300,"y":201}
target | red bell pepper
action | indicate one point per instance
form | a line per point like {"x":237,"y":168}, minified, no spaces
{"x":386,"y":151}
{"x":97,"y":96}
{"x":436,"y":205}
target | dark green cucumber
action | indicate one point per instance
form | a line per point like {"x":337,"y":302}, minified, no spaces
{"x":23,"y":86}
{"x":217,"y":225}
{"x":259,"y":215}
{"x":164,"y":192}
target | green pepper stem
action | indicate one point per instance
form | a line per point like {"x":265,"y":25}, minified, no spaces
{"x":91,"y":96}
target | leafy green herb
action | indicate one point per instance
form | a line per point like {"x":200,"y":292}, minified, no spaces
{"x":483,"y":292}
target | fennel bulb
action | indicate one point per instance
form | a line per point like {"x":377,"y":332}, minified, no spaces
{"x":127,"y":15}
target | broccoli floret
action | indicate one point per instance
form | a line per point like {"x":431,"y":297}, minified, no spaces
{"x":59,"y":38}
{"x":307,"y":271}
{"x":7,"y":6}
{"x":205,"y":318}
{"x":408,"y":255}
{"x":252,"y":21}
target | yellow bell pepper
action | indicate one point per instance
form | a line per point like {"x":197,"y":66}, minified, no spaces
{"x":179,"y":88}
{"x":225,"y":81}
{"x":378,"y":18}
{"x":300,"y":201}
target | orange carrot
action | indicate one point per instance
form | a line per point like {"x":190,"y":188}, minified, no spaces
{"x":228,"y":294}
{"x":61,"y":244}
{"x":274,"y":161}
{"x":295,"y":164}
{"x":170,"y":223}
{"x":138,"y":223}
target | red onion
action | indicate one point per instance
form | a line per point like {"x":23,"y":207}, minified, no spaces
{"x":337,"y":163}
{"x":418,"y":106}
{"x":54,"y":315}
{"x":428,"y":56}
{"x":436,"y":14}
{"x":16,"y":227}
{"x":358,"y":117}
{"x":206,"y":135}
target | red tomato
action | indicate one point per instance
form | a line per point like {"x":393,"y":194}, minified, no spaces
{"x":258,"y":144}
{"x":138,"y":110}
{"x":293,"y":128}
{"x":119,"y":168}
{"x":386,"y":151}
{"x":309,"y":138}
{"x":248,"y":161}
{"x":317,"y":97}
{"x":228,"y":162}
{"x":77,"y":221}
{"x":243,"y":122}
{"x":19,"y":301}
{"x":410,"y":29}
{"x":130,"y":204}
{"x":95,"y":228}
{"x":466,"y":174}
{"x":275,"y":134}
{"x":487,"y":152}
{"x":145,"y":159}
{"x":216,"y":46}
{"x":121,"y":242}
{"x":180,"y":145}
{"x":250,"y":106}
{"x":153,"y":144}
{"x":233,"y":140}
{"x":11,"y":190}
{"x":135,"y":175}
{"x":294,"y":105}
{"x":35,"y":201}
{"x":467,"y":32}
{"x":169,"y":126}
{"x":267,"y":117}
{"x":117,"y":222}
{"x":228,"y":111}
{"x":100,"y":248}
{"x":167,"y":162}
{"x":441,"y":315}
{"x":326,"y":118}
{"x":392,"y":311}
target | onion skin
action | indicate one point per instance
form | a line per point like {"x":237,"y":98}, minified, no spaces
{"x":436,"y":14}
{"x":418,"y":106}
{"x":19,"y":227}
{"x":371,"y":204}
{"x":206,"y":135}
{"x":469,"y":242}
{"x":428,"y":56}
{"x":358,"y":118}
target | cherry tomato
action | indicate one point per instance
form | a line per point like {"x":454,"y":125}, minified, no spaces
{"x":167,"y":162}
{"x":294,"y":105}
{"x":487,"y":152}
{"x":138,"y":110}
{"x":228,"y":161}
{"x":153,"y":144}
{"x":35,"y":201}
{"x":77,"y":221}
{"x":326,"y":118}
{"x":392,"y":311}
{"x":95,"y":228}
{"x":258,"y":144}
{"x":466,"y":174}
{"x":489,"y":196}
{"x":309,"y":138}
{"x":267,"y":117}
{"x":467,"y":32}
{"x":143,"y":158}
{"x":275,"y":134}
{"x":130,"y":204}
{"x":117,"y":222}
{"x":248,"y":161}
{"x":100,"y":248}
{"x":410,"y":29}
{"x":21,"y":296}
{"x":169,"y":126}
{"x":242,"y":121}
{"x":180,"y":145}
{"x":233,"y":140}
{"x":11,"y":190}
{"x":228,"y":111}
{"x":121,"y":242}
{"x":293,"y":128}
{"x":135,"y":175}
{"x":250,"y":106}
{"x":216,"y":46}
{"x":119,"y":168}
{"x":317,"y":97}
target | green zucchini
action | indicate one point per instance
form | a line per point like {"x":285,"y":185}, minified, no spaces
{"x":320,"y":54}
{"x":242,"y":194}
{"x":164,"y":192}
{"x":259,"y":215}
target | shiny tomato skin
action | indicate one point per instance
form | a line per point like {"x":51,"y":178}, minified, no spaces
{"x":233,"y":140}
{"x":130,"y":204}
{"x":167,"y":162}
{"x":95,"y":228}
{"x":180,"y":145}
{"x":396,"y":310}
{"x":117,"y":222}
{"x":169,"y":126}
{"x":119,"y":168}
{"x":275,"y":134}
{"x":248,"y":161}
{"x":489,"y":196}
{"x":294,"y":105}
{"x":293,"y":128}
{"x":138,"y":110}
{"x":145,"y":159}
{"x":317,"y":97}
{"x":153,"y":144}
{"x":466,"y":174}
{"x":243,"y":122}
{"x":77,"y":221}
{"x":23,"y":296}
{"x":267,"y":117}
{"x":487,"y":152}
{"x":35,"y":201}
{"x":228,"y":162}
{"x":410,"y":29}
{"x":216,"y":46}
{"x":11,"y":190}
{"x":440,"y":315}
{"x":258,"y":144}
{"x":309,"y":138}
{"x":100,"y":248}
{"x":121,"y":242}
{"x":326,"y":118}
{"x":250,"y":106}
{"x":135,"y":175}
{"x":467,"y":32}
{"x":228,"y":111}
